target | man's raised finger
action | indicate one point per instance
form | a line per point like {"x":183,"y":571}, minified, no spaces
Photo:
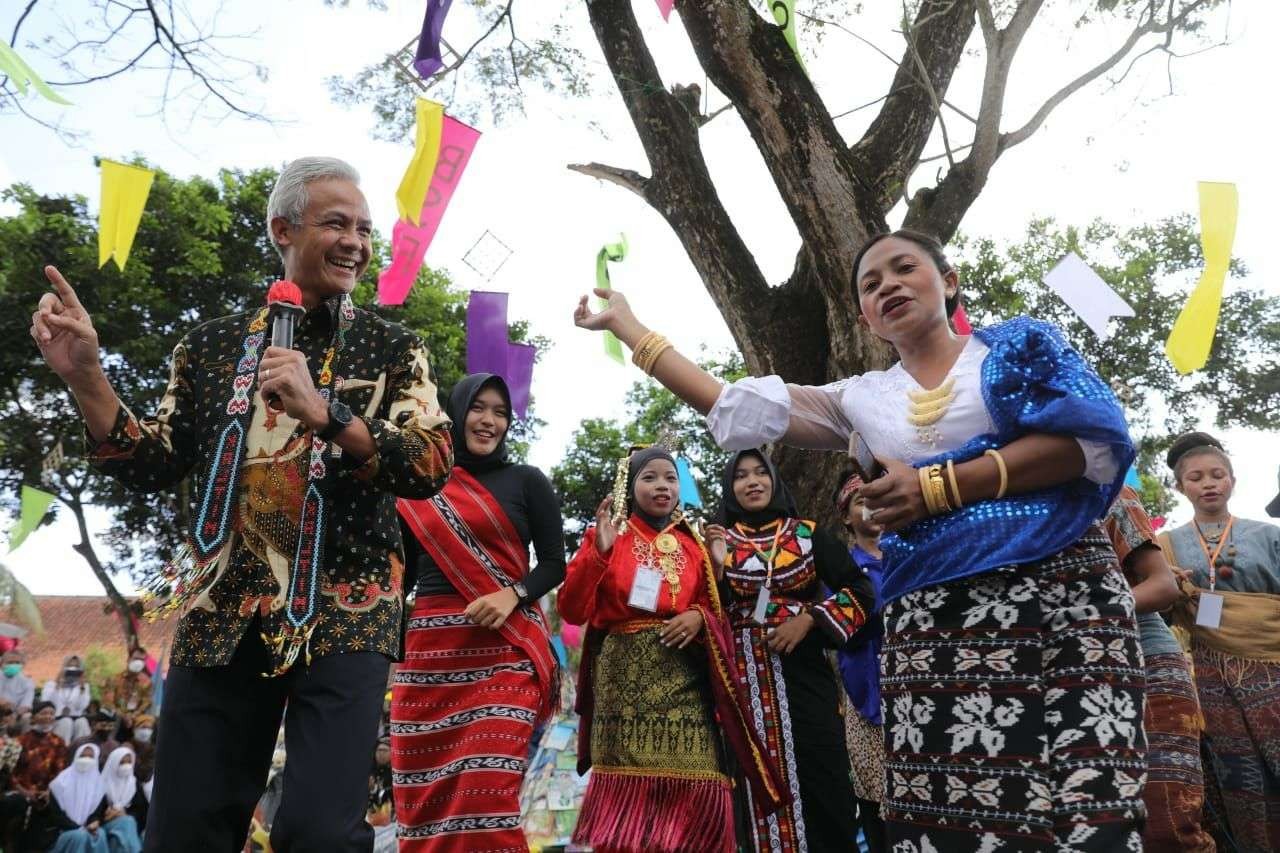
{"x":65,"y":291}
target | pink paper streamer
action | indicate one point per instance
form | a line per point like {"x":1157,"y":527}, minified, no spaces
{"x":664,"y":6}
{"x":409,"y":242}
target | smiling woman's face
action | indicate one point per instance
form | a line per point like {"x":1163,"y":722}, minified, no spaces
{"x":752,"y":484}
{"x":487,"y":422}
{"x":656,"y":488}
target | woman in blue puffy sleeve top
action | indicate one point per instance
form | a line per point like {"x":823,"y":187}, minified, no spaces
{"x":1012,"y":678}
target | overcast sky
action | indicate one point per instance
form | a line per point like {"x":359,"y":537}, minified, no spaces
{"x":1131,"y":155}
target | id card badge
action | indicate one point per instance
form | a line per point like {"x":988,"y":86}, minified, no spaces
{"x":1209,"y":613}
{"x":762,"y":605}
{"x":644,"y":589}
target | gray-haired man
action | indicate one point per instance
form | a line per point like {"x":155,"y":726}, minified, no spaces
{"x":295,"y":569}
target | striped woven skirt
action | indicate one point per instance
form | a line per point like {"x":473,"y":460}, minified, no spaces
{"x":1013,"y":706}
{"x":1174,"y":792}
{"x":657,"y":776}
{"x":462,"y":714}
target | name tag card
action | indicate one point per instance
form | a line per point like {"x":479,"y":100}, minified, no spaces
{"x":1209,"y":612}
{"x":644,"y":589}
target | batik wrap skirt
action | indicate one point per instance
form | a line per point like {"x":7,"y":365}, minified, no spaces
{"x":657,"y":775}
{"x":1240,"y":700}
{"x":1013,"y":710}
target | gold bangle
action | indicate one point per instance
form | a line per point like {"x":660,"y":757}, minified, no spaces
{"x":955,"y":487}
{"x":637,"y":353}
{"x":925,"y":491}
{"x":647,"y":351}
{"x":939,"y":488}
{"x":1004,"y":471}
{"x":657,"y":354}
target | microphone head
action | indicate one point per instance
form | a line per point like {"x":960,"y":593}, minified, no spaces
{"x":284,"y":291}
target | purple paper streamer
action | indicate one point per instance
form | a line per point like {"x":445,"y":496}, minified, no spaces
{"x":427,"y":61}
{"x":487,"y":333}
{"x":519,"y":375}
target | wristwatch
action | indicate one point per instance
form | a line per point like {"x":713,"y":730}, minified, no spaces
{"x":340,"y":418}
{"x":522,"y":594}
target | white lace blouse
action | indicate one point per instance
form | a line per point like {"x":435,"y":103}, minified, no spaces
{"x":759,"y":410}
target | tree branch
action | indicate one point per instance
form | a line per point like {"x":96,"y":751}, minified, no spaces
{"x":680,"y":188}
{"x":625,"y":178}
{"x":887,"y":153}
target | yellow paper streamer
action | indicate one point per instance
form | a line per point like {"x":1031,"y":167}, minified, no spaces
{"x":17,"y":70}
{"x":124,"y":195}
{"x":1192,"y":335}
{"x":412,"y":193}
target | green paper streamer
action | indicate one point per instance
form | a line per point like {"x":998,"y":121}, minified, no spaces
{"x":784,"y":13}
{"x":35,"y":504}
{"x":21,"y":74}
{"x":610,"y":252}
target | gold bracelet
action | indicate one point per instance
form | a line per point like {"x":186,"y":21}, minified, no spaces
{"x":647,"y":351}
{"x":637,"y":353}
{"x":926,"y":492}
{"x":657,"y":354}
{"x":1004,"y":472}
{"x":955,"y":487}
{"x":939,"y":488}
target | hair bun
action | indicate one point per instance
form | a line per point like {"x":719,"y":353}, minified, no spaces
{"x":1190,"y":441}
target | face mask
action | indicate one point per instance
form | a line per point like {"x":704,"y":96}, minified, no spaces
{"x":72,"y":673}
{"x":124,"y":771}
{"x":12,"y":669}
{"x":42,"y":728}
{"x":86,"y":764}
{"x":142,"y":735}
{"x":135,"y":666}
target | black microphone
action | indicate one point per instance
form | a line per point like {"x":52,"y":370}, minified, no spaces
{"x":284,"y":308}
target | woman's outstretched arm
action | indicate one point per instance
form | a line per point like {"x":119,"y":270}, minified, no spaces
{"x":676,"y":372}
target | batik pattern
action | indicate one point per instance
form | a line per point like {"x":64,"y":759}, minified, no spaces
{"x":1013,"y":710}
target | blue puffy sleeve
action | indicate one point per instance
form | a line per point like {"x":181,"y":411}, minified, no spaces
{"x":1034,"y":381}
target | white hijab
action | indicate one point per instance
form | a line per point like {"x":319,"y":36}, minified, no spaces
{"x":120,"y":791}
{"x":79,"y":792}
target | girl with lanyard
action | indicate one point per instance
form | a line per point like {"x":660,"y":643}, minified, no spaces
{"x":479,"y":672}
{"x":774,"y":567}
{"x":1232,"y":614}
{"x":1000,"y":451}
{"x":657,"y":669}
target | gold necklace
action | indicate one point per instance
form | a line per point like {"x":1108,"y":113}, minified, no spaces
{"x":669,"y":557}
{"x":926,"y":408}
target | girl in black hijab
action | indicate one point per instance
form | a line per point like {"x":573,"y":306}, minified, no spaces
{"x":779,"y":571}
{"x":479,"y":673}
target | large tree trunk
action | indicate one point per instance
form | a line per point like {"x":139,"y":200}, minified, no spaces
{"x":124,"y":614}
{"x":836,"y":193}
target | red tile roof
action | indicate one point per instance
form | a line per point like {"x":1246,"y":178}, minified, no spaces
{"x":73,"y":623}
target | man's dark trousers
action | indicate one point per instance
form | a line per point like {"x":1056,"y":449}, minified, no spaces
{"x":217,"y":733}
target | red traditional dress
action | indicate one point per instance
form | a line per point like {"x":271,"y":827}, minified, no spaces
{"x":467,"y":698}
{"x":651,"y":713}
